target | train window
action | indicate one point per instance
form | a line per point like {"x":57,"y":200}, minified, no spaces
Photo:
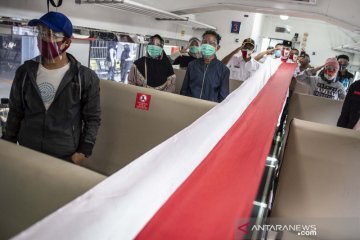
{"x":112,"y":60}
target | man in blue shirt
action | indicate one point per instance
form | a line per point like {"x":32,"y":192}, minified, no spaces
{"x":207,"y":77}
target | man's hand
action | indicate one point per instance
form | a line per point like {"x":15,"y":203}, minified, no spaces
{"x":270,"y":52}
{"x":315,"y":70}
{"x":77,"y":158}
{"x":262,"y":54}
{"x":184,"y":50}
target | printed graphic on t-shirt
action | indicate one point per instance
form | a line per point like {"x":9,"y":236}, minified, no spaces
{"x":47,"y":91}
{"x":326,"y":91}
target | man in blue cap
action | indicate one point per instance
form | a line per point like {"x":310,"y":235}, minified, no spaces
{"x":54,"y":100}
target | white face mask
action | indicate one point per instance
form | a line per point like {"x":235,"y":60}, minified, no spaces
{"x":329,"y":77}
{"x":286,"y":53}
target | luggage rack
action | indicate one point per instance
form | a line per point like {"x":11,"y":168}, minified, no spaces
{"x":158,"y":14}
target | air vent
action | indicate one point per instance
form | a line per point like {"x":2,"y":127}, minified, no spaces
{"x":282,"y":30}
{"x":310,"y":2}
{"x":304,"y":1}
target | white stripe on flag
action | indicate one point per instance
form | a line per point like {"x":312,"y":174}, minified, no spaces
{"x":120,"y":206}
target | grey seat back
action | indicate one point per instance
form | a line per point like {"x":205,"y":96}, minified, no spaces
{"x":180,"y":75}
{"x":126,"y":132}
{"x":33,"y":185}
{"x":314,"y":109}
{"x":234,"y":84}
{"x":319,"y":180}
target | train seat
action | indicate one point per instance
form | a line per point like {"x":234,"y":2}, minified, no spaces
{"x":127,"y":132}
{"x":234,"y":84}
{"x":319,"y":180}
{"x":314,"y":109}
{"x":180,"y":75}
{"x":33,"y":185}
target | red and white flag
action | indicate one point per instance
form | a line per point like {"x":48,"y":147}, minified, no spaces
{"x":195,"y":185}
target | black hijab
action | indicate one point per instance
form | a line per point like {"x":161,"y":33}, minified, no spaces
{"x":158,"y":69}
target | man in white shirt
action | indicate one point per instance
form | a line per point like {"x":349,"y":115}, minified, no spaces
{"x":240,"y":62}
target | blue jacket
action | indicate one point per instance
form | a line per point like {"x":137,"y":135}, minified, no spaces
{"x":208,"y":82}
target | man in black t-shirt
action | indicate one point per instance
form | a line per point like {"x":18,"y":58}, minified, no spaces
{"x":344,"y":76}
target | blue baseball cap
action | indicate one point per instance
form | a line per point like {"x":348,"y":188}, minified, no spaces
{"x":56,"y":21}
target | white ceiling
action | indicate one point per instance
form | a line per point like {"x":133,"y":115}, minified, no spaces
{"x":343,"y":13}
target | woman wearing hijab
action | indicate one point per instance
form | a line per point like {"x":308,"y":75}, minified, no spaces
{"x":154,"y":70}
{"x":194,"y":53}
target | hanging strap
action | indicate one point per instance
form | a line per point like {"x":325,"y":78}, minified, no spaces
{"x":145,"y":73}
{"x":53,"y":4}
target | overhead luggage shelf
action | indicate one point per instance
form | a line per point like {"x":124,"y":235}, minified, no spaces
{"x":197,"y":25}
{"x":351,"y":48}
{"x":158,"y":14}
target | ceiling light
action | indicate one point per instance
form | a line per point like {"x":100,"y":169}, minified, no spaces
{"x":284,"y":17}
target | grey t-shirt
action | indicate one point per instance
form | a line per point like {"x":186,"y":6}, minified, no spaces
{"x":322,"y":88}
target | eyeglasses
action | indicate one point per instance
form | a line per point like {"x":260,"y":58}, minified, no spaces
{"x":46,"y":33}
{"x":330,"y":69}
{"x":155,"y":44}
{"x":212,"y":43}
{"x":248,"y":46}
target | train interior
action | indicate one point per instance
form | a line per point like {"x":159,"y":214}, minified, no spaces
{"x":310,"y":175}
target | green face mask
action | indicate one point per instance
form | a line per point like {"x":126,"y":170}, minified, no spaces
{"x":154,"y":51}
{"x":194,"y":49}
{"x":207,"y":50}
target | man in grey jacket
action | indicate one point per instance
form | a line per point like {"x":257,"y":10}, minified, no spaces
{"x":326,"y":85}
{"x":54,"y":100}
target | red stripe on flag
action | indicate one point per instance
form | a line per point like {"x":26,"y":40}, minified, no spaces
{"x":221,"y":190}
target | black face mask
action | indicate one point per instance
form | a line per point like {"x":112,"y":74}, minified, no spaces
{"x":343,"y":67}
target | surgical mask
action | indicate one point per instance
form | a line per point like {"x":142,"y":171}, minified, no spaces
{"x":329,"y":77}
{"x":194,"y":49}
{"x":277,"y":53}
{"x":207,"y":50}
{"x":285,"y":53}
{"x":51,"y":50}
{"x":246,"y":53}
{"x":154,"y":51}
